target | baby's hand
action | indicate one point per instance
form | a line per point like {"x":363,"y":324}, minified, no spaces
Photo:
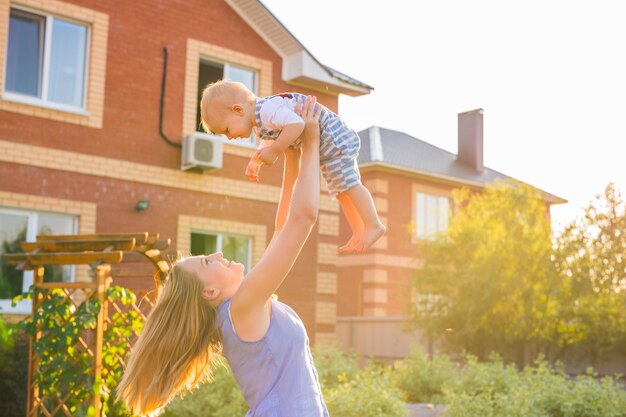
{"x":253,"y":168}
{"x":268,"y":155}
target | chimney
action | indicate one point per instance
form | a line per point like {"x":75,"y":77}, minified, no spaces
{"x":471,"y":139}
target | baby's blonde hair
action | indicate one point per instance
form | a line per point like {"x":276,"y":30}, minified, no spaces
{"x":177,"y":348}
{"x":219,"y":96}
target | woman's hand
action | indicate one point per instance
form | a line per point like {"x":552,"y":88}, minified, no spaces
{"x":310,"y":112}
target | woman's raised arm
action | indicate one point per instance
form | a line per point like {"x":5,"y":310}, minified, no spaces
{"x":291,"y":170}
{"x":265,"y":278}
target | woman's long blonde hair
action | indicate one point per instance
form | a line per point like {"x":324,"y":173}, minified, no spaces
{"x":177,"y":348}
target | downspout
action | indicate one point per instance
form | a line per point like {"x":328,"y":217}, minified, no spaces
{"x":162,"y":106}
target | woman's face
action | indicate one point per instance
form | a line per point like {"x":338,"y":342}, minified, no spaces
{"x":220,"y":277}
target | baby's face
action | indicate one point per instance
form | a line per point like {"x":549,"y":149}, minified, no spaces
{"x":235,"y":122}
{"x":237,"y":126}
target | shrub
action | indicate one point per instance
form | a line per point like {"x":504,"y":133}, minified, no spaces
{"x":493,"y":377}
{"x":334,"y":367}
{"x":219,"y":398}
{"x":65,"y":368}
{"x":421,"y":378}
{"x":13,"y":371}
{"x":585,"y":396}
{"x":369,"y":394}
{"x":494,"y":389}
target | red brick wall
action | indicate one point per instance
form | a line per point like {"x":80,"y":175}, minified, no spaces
{"x":400,"y":248}
{"x":138,"y":30}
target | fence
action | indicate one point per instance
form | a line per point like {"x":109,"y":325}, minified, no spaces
{"x":385,"y":338}
{"x":98,"y":252}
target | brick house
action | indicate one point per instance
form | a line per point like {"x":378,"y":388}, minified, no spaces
{"x":83,"y":148}
{"x":411,"y":183}
{"x":90,"y":143}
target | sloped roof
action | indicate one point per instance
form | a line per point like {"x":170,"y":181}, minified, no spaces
{"x":347,"y":78}
{"x":299,"y":65}
{"x":394,"y":149}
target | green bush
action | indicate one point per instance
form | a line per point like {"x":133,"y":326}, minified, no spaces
{"x":369,"y":394}
{"x":219,"y":398}
{"x":65,"y":368}
{"x":333,"y":366}
{"x":477,"y":389}
{"x":493,"y":389}
{"x":6,"y":341}
{"x":421,"y":378}
{"x":493,"y":377}
{"x":13,"y":371}
{"x":584,"y":396}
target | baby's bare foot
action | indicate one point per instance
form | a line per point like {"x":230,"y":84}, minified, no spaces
{"x":370,"y":235}
{"x":352,"y":243}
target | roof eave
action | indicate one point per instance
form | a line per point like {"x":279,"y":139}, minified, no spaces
{"x":299,"y":67}
{"x":373,"y":165}
{"x":302,"y":69}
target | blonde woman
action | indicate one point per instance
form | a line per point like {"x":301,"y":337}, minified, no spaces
{"x":207,"y":307}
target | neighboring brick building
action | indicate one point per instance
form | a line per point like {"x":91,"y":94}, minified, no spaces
{"x":79,"y":131}
{"x":411,"y":182}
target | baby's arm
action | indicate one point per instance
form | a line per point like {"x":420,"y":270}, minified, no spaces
{"x":277,"y":114}
{"x":287,"y":136}
{"x":254,"y":165}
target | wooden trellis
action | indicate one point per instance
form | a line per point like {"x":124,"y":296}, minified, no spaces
{"x":99,"y":252}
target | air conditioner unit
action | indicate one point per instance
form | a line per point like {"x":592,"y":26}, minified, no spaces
{"x":201,"y":152}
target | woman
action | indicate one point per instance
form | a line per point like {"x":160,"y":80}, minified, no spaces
{"x":206,"y":306}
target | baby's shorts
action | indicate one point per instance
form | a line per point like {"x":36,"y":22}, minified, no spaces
{"x":338,"y":162}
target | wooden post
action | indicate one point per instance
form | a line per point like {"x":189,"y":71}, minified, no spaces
{"x":33,"y":390}
{"x":102,"y":278}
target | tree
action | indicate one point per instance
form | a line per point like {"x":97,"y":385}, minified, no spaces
{"x":488,"y":283}
{"x":590,"y":257}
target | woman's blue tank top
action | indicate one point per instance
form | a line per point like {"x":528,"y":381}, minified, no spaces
{"x":276,"y":374}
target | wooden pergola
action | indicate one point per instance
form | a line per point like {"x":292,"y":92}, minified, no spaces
{"x":98,"y":252}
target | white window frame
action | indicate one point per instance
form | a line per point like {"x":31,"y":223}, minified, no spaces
{"x":43,"y":101}
{"x":422,"y":235}
{"x":251,"y":141}
{"x":227,"y":66}
{"x":219,"y":242}
{"x":25,"y":306}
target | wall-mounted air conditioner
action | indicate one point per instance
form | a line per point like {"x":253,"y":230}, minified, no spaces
{"x":201,"y":152}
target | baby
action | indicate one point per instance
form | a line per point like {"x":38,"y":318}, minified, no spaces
{"x":231,"y":109}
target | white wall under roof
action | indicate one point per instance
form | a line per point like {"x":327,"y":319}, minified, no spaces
{"x":299,"y":66}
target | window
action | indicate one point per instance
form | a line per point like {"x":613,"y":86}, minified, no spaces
{"x":234,"y":247}
{"x":46,"y":61}
{"x":23,"y":226}
{"x":431,"y":215}
{"x":430,"y":304}
{"x":211,"y":71}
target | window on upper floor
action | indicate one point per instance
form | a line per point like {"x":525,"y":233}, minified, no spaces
{"x":236,"y":248}
{"x":431,"y":216}
{"x":23,"y":226}
{"x":46,"y":61}
{"x":210,"y":72}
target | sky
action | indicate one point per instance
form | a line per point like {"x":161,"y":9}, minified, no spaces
{"x":549,"y":74}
